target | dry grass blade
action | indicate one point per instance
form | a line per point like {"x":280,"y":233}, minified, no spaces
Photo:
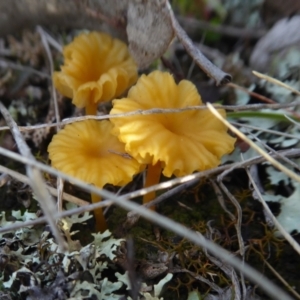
{"x":275,"y":81}
{"x":36,"y":180}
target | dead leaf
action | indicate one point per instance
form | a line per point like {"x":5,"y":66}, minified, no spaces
{"x":149,"y":30}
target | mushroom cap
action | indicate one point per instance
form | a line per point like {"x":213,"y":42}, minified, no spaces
{"x":96,"y":68}
{"x":88,"y":151}
{"x":183,"y":142}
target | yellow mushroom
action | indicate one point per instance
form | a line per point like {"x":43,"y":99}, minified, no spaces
{"x":88,"y":151}
{"x":96,"y":68}
{"x":179,"y":143}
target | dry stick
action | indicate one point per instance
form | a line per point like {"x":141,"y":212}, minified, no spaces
{"x":22,"y":178}
{"x":153,"y":111}
{"x":157,"y":187}
{"x":208,"y":67}
{"x":36,"y":180}
{"x":285,"y":234}
{"x":269,"y":287}
{"x":44,"y":37}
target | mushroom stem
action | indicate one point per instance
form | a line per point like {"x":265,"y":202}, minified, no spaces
{"x":91,"y":109}
{"x":152,"y":178}
{"x":98,"y":213}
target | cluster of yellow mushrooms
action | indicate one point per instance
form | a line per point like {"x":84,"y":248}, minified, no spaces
{"x":98,"y":68}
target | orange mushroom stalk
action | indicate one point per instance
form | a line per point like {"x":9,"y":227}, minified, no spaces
{"x":178,"y":143}
{"x":96,"y":68}
{"x":88,"y":151}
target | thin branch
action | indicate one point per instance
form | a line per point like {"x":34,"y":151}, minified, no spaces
{"x":207,"y":66}
{"x":157,"y":187}
{"x":154,"y":111}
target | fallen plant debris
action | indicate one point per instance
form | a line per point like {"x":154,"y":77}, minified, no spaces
{"x":222,"y":230}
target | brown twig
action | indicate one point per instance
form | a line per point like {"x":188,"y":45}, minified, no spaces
{"x":207,"y":66}
{"x":233,"y":108}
